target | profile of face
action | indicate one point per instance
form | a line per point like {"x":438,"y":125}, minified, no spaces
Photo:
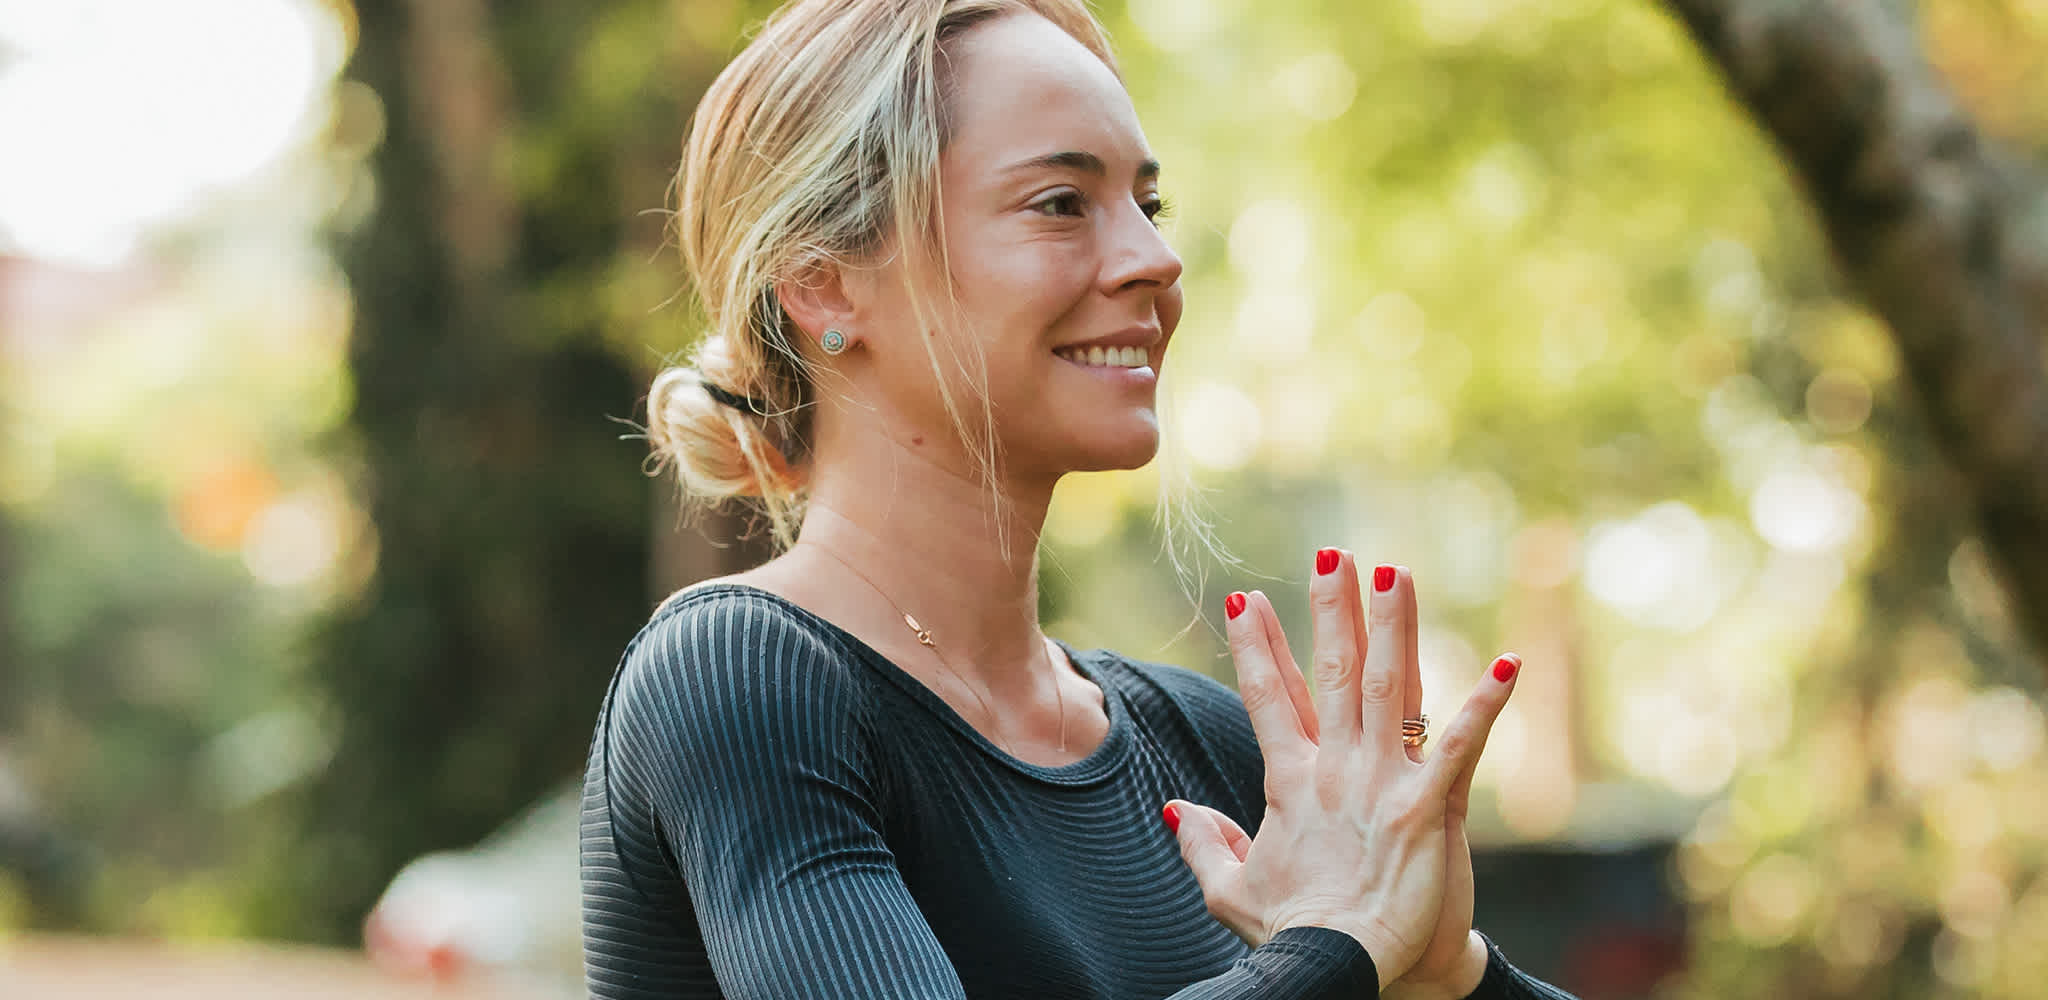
{"x":1048,"y":198}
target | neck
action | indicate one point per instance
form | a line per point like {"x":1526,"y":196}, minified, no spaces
{"x":922,"y":526}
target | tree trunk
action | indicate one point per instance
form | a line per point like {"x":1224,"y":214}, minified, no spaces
{"x":1942,"y":239}
{"x":511,"y":520}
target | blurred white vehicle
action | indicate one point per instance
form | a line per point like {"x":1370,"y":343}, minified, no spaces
{"x":509,"y":907}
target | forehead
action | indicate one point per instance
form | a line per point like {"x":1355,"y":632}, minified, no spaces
{"x":1021,"y":88}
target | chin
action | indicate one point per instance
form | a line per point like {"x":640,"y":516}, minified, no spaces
{"x":1133,"y":450}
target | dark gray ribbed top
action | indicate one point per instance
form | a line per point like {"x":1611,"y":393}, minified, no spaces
{"x":774,"y":810}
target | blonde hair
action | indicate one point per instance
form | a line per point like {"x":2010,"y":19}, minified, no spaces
{"x":818,"y":145}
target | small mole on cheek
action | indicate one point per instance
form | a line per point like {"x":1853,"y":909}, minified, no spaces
{"x":917,"y":439}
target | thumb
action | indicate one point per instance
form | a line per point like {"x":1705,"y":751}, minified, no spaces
{"x":1204,"y":845}
{"x":1239,"y":842}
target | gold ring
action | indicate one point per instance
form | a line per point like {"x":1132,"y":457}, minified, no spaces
{"x":1415,"y":732}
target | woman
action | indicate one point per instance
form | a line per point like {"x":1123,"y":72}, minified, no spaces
{"x":923,"y":235}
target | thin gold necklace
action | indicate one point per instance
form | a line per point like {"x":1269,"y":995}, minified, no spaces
{"x":924,"y":638}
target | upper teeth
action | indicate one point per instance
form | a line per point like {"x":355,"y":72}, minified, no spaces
{"x":1109,"y":357}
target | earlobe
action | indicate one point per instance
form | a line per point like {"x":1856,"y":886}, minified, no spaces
{"x":816,"y":300}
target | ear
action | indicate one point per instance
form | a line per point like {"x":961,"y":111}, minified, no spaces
{"x":818,"y":298}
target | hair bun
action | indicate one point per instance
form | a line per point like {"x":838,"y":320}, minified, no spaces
{"x":718,"y":451}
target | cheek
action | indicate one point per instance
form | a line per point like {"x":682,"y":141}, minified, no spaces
{"x":1024,"y":294}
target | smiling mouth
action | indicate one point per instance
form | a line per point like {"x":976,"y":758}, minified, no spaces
{"x":1107,"y":357}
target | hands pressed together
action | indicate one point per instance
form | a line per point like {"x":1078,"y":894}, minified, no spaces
{"x":1361,"y":834}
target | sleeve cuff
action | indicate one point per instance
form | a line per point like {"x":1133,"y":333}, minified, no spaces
{"x":1330,"y":963}
{"x":1503,"y":981}
{"x":1498,"y":971}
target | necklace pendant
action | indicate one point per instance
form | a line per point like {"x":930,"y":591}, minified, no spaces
{"x":924,"y":635}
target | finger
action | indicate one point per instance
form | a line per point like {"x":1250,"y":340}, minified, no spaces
{"x":1411,"y":639}
{"x":1450,"y":768}
{"x":1283,"y":654}
{"x":1359,"y":624}
{"x":1380,"y":686}
{"x":1282,"y":740}
{"x":1459,"y":798}
{"x":1239,"y":842}
{"x":1203,"y":846}
{"x":1290,"y":672}
{"x":1332,"y":594}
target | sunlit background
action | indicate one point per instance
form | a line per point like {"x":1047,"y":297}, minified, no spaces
{"x":1508,"y":292}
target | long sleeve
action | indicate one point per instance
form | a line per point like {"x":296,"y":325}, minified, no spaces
{"x":1505,"y":982}
{"x":1299,"y":962}
{"x":743,"y":731}
{"x":746,"y":732}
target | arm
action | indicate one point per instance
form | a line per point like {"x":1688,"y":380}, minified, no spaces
{"x":742,"y":730}
{"x":745,"y":730}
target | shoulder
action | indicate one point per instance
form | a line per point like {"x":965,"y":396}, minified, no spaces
{"x":1213,"y":710}
{"x":730,"y":704}
{"x":718,"y":654}
{"x":723,"y":626}
{"x":1193,"y":688}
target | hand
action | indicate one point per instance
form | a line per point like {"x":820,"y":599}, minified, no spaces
{"x":1454,"y":961}
{"x":1357,"y":833}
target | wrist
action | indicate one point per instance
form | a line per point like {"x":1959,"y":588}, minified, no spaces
{"x":1462,"y":979}
{"x":1391,"y":957}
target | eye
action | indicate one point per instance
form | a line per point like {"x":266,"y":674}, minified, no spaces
{"x":1155,"y":207}
{"x":1064,"y":204}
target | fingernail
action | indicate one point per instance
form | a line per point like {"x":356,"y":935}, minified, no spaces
{"x":1505,"y":667}
{"x":1172,"y":815}
{"x":1234,"y":605}
{"x":1326,"y":562}
{"x":1383,"y":579}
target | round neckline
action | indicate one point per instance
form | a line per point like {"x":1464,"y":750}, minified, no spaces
{"x":1099,"y":763}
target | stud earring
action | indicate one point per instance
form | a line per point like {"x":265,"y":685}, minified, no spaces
{"x":833,"y":342}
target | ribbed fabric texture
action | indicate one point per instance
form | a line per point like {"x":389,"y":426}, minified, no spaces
{"x":1505,"y":982}
{"x":773,"y":810}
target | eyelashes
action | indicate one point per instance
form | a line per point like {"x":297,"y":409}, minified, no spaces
{"x":1065,"y":204}
{"x":1073,"y":204}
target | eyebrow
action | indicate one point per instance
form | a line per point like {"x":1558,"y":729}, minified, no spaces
{"x":1085,"y":162}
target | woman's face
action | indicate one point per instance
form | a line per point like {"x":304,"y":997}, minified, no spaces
{"x":1048,"y":197}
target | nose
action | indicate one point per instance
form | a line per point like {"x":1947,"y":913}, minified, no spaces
{"x":1137,"y":254}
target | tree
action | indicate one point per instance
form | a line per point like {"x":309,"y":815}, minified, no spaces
{"x":1852,"y":864}
{"x":1941,"y":238}
{"x":511,"y":522}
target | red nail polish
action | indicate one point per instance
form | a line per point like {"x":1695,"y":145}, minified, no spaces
{"x":1172,"y":817}
{"x":1505,"y":667}
{"x":1234,"y":605}
{"x":1383,"y":579}
{"x":1326,"y":562}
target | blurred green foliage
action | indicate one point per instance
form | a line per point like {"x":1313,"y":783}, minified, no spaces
{"x":1507,"y":292}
